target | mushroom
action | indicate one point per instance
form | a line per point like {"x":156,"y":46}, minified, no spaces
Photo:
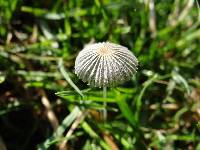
{"x":105,"y":64}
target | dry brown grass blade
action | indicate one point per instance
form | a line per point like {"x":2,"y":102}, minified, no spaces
{"x":9,"y":38}
{"x":152,"y":18}
{"x":186,"y":10}
{"x":176,"y":17}
{"x":109,"y":140}
{"x":34,"y":34}
{"x":50,"y":114}
{"x":164,"y":106}
{"x":80,"y":117}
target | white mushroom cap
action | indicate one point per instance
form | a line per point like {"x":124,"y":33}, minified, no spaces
{"x":105,"y":64}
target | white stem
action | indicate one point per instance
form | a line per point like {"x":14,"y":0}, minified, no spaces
{"x":104,"y":103}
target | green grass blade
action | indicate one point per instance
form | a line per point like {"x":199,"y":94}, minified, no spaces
{"x":139,"y":99}
{"x":59,"y":132}
{"x":67,"y":78}
{"x":125,"y":109}
{"x":93,"y":134}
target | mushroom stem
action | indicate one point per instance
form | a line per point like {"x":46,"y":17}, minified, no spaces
{"x":104,"y":103}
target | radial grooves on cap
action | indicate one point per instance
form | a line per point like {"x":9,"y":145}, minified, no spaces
{"x":91,"y":78}
{"x":105,"y":73}
{"x":91,"y":70}
{"x":89,"y":67}
{"x":101,"y":81}
{"x":124,"y":51}
{"x":108,"y":67}
{"x":112,"y":69}
{"x":126,"y":68}
{"x":83,"y":68}
{"x":127,"y":63}
{"x":128,"y":56}
{"x":109,"y":71}
{"x":98,"y":74}
{"x":118,"y":75}
{"x":81,"y":62}
{"x":105,"y":64}
{"x":118,"y":65}
{"x":84,"y":57}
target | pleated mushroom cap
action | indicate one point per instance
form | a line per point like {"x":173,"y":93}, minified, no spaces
{"x":105,"y":64}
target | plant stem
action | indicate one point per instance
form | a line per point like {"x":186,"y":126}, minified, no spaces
{"x":104,"y":103}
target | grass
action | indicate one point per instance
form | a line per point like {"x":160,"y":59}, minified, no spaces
{"x":43,"y":105}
